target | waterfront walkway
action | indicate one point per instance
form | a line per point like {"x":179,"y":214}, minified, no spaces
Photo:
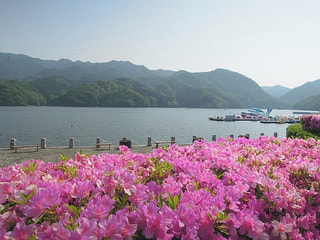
{"x":52,"y":154}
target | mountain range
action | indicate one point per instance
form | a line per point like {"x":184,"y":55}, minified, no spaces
{"x":32,"y":81}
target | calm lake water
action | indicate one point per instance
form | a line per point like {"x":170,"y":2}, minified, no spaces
{"x":57,"y":124}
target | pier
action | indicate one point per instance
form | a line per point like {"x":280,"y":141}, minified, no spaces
{"x":8,"y":156}
{"x":124,"y":141}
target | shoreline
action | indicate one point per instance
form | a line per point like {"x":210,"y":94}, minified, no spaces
{"x":52,"y":154}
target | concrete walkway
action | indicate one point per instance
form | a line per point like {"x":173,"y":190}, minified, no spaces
{"x":52,"y":154}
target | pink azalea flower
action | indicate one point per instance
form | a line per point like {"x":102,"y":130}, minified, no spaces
{"x":124,"y":149}
{"x":21,"y":231}
{"x":111,"y":228}
{"x":43,"y":199}
{"x":156,"y":227}
{"x":61,"y":231}
{"x":87,"y":228}
{"x":5,"y":191}
{"x":140,"y":196}
{"x":81,"y":189}
{"x":126,"y":180}
{"x":283,"y":227}
{"x":98,"y":208}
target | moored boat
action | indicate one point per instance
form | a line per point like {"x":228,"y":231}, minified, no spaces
{"x":230,"y":118}
{"x":216,"y":118}
{"x":257,"y":112}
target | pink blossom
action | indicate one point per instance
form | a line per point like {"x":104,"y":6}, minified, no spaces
{"x":21,"y":231}
{"x":263,"y":188}
{"x":81,"y":189}
{"x":43,"y":199}
{"x":98,"y":207}
{"x":285,"y":226}
{"x":87,"y":228}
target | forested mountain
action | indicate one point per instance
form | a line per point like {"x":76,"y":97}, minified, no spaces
{"x":116,"y":93}
{"x":276,"y":91}
{"x":309,"y":103}
{"x":32,"y":81}
{"x":22,"y":67}
{"x":301,"y":93}
{"x":14,"y":93}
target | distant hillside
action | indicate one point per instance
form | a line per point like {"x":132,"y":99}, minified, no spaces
{"x":309,"y":103}
{"x":300,"y":93}
{"x":276,"y":91}
{"x":121,"y":83}
{"x":22,"y":67}
{"x":239,"y":87}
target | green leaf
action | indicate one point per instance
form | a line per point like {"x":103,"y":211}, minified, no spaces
{"x":26,"y":198}
{"x":64,"y":158}
{"x":173,"y":202}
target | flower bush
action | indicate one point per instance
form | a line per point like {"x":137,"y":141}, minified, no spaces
{"x":311,"y":123}
{"x":263,"y":188}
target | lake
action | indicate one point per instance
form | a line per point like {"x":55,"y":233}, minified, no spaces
{"x":57,"y":124}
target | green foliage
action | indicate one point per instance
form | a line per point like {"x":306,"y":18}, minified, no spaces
{"x":68,"y":171}
{"x":219,"y":173}
{"x":52,"y":86}
{"x":49,"y":215}
{"x":14,"y":93}
{"x":161,"y":171}
{"x":64,"y":157}
{"x":121,"y":198}
{"x":116,"y":93}
{"x":171,"y":202}
{"x":31,"y":168}
{"x":219,"y":223}
{"x":295,"y":131}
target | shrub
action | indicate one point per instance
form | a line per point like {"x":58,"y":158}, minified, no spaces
{"x":311,"y":123}
{"x":263,"y":188}
{"x":296,"y":131}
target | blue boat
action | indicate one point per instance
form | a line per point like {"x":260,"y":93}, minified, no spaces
{"x":257,"y":112}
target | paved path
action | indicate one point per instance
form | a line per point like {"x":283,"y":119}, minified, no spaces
{"x":52,"y":154}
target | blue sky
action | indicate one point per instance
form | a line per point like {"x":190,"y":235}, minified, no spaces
{"x":270,"y":41}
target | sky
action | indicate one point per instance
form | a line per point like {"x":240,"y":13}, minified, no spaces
{"x":273,"y":42}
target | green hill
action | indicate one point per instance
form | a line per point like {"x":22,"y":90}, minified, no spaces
{"x":309,"y":103}
{"x":300,"y":93}
{"x":121,"y":83}
{"x":276,"y":91}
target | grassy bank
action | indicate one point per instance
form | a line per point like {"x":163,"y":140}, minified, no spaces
{"x":296,"y":131}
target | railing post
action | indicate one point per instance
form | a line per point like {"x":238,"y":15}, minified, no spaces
{"x":98,"y":141}
{"x":12,"y":143}
{"x":275,"y":134}
{"x":43,"y":143}
{"x":194,"y":138}
{"x":214,"y":137}
{"x":149,"y":144}
{"x":71,"y":142}
{"x":173,"y":139}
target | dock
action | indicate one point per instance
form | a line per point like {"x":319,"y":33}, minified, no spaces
{"x":303,"y":112}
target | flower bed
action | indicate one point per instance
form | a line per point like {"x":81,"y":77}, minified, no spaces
{"x":311,"y":123}
{"x":263,"y":188}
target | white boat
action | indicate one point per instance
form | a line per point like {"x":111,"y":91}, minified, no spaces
{"x":216,"y":118}
{"x":257,"y":112}
{"x":230,"y":117}
{"x":279,"y":120}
